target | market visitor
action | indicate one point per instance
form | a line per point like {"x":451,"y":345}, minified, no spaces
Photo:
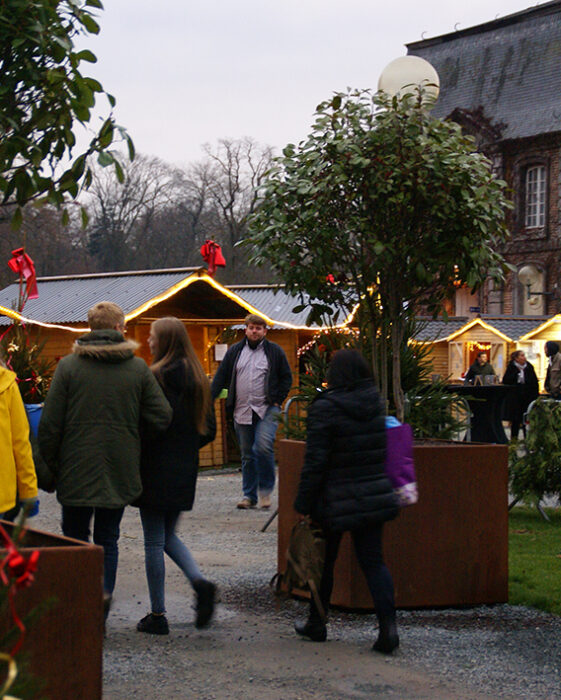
{"x":521,"y":376}
{"x":89,"y":432}
{"x":480,"y":368}
{"x":553,"y":376}
{"x":344,"y":487}
{"x":18,"y":481}
{"x":169,"y":466}
{"x":257,"y":376}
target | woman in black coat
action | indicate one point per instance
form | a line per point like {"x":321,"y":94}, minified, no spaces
{"x":169,"y":466}
{"x":344,"y":486}
{"x":521,"y":376}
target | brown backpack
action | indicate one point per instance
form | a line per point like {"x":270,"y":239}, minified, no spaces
{"x":304,"y":563}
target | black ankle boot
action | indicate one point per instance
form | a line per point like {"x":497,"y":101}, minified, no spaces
{"x":313,"y":629}
{"x":206,"y":592}
{"x":388,"y":638}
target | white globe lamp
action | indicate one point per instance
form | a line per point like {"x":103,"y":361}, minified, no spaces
{"x":407,"y":73}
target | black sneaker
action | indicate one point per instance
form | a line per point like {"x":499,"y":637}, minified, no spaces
{"x":153,"y":624}
{"x":313,"y":629}
{"x":205,"y":591}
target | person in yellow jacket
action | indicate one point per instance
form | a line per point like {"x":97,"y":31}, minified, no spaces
{"x":17,"y":471}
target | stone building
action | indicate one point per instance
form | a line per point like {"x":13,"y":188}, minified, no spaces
{"x":502,"y":82}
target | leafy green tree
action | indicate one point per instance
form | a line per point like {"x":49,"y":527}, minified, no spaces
{"x":43,"y":97}
{"x":383,"y":204}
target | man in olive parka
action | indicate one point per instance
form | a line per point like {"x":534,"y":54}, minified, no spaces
{"x":89,"y":431}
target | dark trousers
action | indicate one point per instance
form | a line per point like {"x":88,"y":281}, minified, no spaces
{"x":368,"y":547}
{"x":76,"y":523}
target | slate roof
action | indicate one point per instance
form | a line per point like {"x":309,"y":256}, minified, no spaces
{"x":509,"y":66}
{"x":429,"y":330}
{"x":511,"y":326}
{"x":66,"y":299}
{"x":514,"y":327}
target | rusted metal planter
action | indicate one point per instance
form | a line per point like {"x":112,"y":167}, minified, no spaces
{"x":451,"y":548}
{"x":64,"y":644}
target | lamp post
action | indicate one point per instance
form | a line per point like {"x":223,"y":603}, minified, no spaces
{"x":405,"y":72}
{"x":529,"y":276}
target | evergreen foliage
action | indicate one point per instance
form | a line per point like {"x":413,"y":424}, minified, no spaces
{"x":43,"y":97}
{"x":387,"y":202}
{"x":535,"y":465}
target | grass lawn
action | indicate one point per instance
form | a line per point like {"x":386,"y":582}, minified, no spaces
{"x":535,"y":559}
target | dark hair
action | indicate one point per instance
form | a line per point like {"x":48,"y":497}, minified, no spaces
{"x":514,"y":355}
{"x":482,"y":352}
{"x":255,"y":320}
{"x":552,"y":348}
{"x":347,"y":368}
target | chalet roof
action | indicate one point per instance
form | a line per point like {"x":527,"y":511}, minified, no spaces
{"x":66,"y":299}
{"x":513,"y":328}
{"x":509,"y":67}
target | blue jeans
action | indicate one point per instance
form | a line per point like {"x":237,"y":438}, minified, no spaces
{"x":257,"y":452}
{"x":76,"y":523}
{"x":160,"y":537}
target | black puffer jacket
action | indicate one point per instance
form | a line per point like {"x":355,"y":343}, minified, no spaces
{"x":169,"y":461}
{"x":343,"y":484}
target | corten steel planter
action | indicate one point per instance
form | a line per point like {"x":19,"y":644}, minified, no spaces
{"x":451,"y":548}
{"x":64,"y":644}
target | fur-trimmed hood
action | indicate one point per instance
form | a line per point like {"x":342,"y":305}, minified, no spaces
{"x":106,"y":345}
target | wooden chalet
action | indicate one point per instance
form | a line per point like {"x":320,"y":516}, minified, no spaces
{"x":212,"y":313}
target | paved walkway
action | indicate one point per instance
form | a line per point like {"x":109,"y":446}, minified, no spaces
{"x":251,"y":650}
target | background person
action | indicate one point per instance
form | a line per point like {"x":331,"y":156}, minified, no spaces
{"x":553,"y":376}
{"x":17,"y":471}
{"x":169,"y":466}
{"x":480,"y":368}
{"x":258,"y":378}
{"x":344,"y":486}
{"x":519,"y":374}
{"x":89,"y":431}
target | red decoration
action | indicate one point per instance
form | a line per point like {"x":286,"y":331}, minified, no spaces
{"x":212,"y":254}
{"x":22,"y":264}
{"x":16,"y":572}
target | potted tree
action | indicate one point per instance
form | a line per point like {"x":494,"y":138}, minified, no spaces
{"x":384,"y":207}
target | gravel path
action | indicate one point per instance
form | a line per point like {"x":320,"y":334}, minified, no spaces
{"x":251,"y":650}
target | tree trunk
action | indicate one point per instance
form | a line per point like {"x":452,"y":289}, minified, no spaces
{"x":397,"y":332}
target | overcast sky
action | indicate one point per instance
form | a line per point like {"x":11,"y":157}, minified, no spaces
{"x":185,"y":73}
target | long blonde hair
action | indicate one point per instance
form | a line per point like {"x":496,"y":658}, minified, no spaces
{"x":173,"y":343}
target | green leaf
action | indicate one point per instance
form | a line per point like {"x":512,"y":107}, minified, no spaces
{"x":90,"y":24}
{"x":86,"y":55}
{"x":17,"y":219}
{"x":119,"y":172}
{"x":105,"y":159}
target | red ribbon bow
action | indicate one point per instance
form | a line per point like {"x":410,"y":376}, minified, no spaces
{"x":16,"y":572}
{"x":22,"y":264}
{"x":212,"y":254}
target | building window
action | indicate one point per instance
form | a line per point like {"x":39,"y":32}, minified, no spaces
{"x":535,"y":197}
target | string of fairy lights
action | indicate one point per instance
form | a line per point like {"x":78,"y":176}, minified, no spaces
{"x":353,"y":332}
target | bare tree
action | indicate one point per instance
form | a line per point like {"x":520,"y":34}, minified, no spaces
{"x":122,"y":216}
{"x":230,"y":177}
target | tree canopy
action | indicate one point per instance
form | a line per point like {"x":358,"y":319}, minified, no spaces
{"x":43,"y":97}
{"x":387,"y":202}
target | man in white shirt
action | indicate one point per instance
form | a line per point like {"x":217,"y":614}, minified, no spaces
{"x":258,"y":378}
